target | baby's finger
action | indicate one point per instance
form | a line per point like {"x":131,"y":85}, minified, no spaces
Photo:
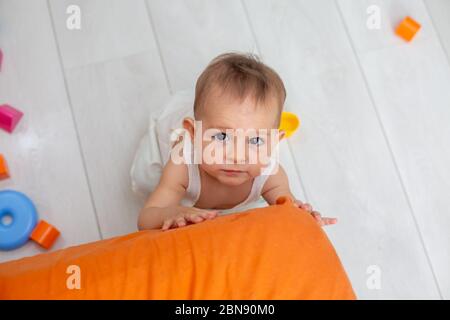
{"x":167,"y":224}
{"x":318,"y":217}
{"x":180,"y":222}
{"x":328,"y":221}
{"x":208,"y":214}
{"x":195,"y":218}
{"x":307,"y":207}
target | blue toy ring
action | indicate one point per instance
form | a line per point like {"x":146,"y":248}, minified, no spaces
{"x":23,"y":216}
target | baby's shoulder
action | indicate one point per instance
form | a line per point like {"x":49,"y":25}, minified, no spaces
{"x":175,"y":171}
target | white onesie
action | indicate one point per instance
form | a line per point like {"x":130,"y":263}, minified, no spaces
{"x":154,"y":151}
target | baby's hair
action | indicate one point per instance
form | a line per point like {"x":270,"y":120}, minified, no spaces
{"x":240,"y":75}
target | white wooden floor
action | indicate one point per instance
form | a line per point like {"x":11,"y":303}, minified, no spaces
{"x":373,"y":150}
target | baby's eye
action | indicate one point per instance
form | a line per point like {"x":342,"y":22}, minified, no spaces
{"x":256,"y":141}
{"x":221,"y":136}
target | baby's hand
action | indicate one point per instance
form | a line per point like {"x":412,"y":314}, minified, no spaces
{"x":183,"y":215}
{"x":321,"y":221}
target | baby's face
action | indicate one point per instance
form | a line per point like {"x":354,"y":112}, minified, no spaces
{"x":238,"y":138}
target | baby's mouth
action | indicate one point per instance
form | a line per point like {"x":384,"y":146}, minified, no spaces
{"x":232,"y":172}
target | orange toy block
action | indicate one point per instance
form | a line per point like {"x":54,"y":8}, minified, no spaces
{"x":1,"y":59}
{"x":44,"y":234}
{"x":407,"y":28}
{"x":4,"y":172}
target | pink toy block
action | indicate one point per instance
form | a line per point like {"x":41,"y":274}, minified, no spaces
{"x":1,"y":59}
{"x":9,"y":117}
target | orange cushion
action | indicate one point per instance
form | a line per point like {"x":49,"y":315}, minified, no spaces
{"x":277,"y":252}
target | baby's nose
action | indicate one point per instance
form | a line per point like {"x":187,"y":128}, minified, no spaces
{"x":240,"y":159}
{"x":236,"y":153}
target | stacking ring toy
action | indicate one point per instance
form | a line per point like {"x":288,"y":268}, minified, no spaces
{"x":23,"y":216}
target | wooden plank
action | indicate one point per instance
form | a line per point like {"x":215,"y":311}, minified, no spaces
{"x":343,"y":156}
{"x":110,"y":29}
{"x":112,"y":102}
{"x":43,"y":152}
{"x":204,"y":30}
{"x":410,"y":86}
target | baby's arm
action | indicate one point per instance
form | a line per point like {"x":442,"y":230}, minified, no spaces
{"x":278,"y":185}
{"x":162,"y":208}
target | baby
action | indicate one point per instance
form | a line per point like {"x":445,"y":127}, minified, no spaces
{"x":227,"y":156}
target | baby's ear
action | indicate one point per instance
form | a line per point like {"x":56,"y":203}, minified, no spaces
{"x":281,"y":134}
{"x":188,"y":125}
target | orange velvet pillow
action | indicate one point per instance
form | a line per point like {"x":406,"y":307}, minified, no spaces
{"x":277,"y":252}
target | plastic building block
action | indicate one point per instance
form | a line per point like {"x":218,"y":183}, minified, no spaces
{"x":4,"y":172}
{"x":9,"y":117}
{"x":45,"y":234}
{"x":289,"y":123}
{"x":1,"y":59}
{"x":407,"y":28}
